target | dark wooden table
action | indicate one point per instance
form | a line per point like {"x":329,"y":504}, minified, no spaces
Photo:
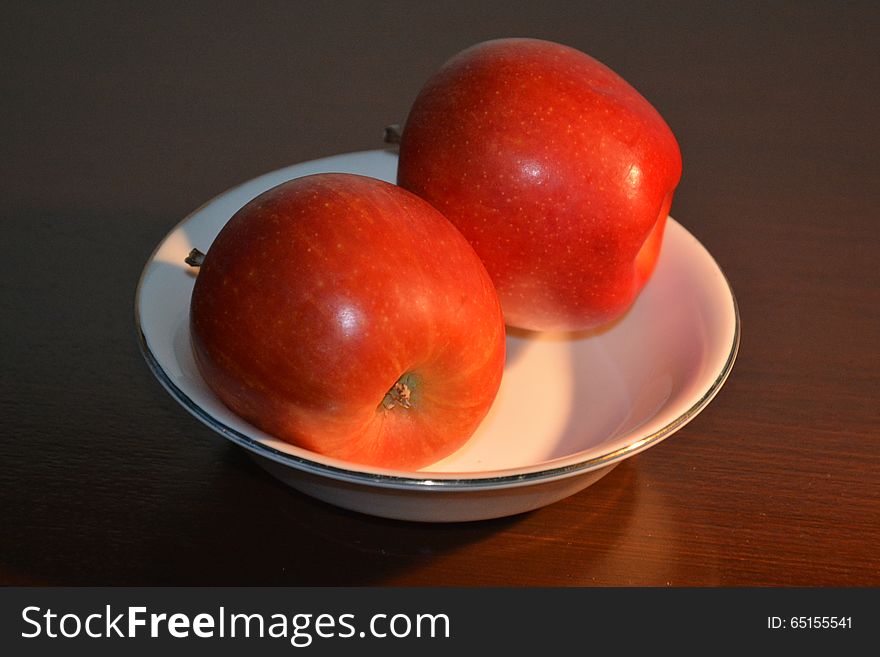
{"x":118,"y":120}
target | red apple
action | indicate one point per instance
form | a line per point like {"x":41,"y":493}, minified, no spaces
{"x":347,"y":316}
{"x":554,"y":168}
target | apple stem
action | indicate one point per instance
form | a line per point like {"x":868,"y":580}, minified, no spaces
{"x":195,"y":258}
{"x":393,"y":134}
{"x":398,"y":395}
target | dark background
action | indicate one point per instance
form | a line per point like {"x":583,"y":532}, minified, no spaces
{"x":118,"y":119}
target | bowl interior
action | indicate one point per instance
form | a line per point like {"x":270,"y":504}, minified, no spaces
{"x":571,"y":398}
{"x":564,"y":399}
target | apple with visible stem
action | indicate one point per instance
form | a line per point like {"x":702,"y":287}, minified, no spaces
{"x":557,"y":171}
{"x":347,"y":316}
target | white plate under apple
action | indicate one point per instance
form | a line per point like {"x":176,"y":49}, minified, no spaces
{"x":570,"y":408}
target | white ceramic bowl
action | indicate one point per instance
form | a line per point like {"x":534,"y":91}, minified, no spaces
{"x":569,"y":409}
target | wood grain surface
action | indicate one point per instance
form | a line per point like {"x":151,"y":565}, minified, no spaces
{"x":121,"y":118}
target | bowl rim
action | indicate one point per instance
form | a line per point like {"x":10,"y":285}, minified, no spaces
{"x":427,"y":481}
{"x":433,"y":480}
